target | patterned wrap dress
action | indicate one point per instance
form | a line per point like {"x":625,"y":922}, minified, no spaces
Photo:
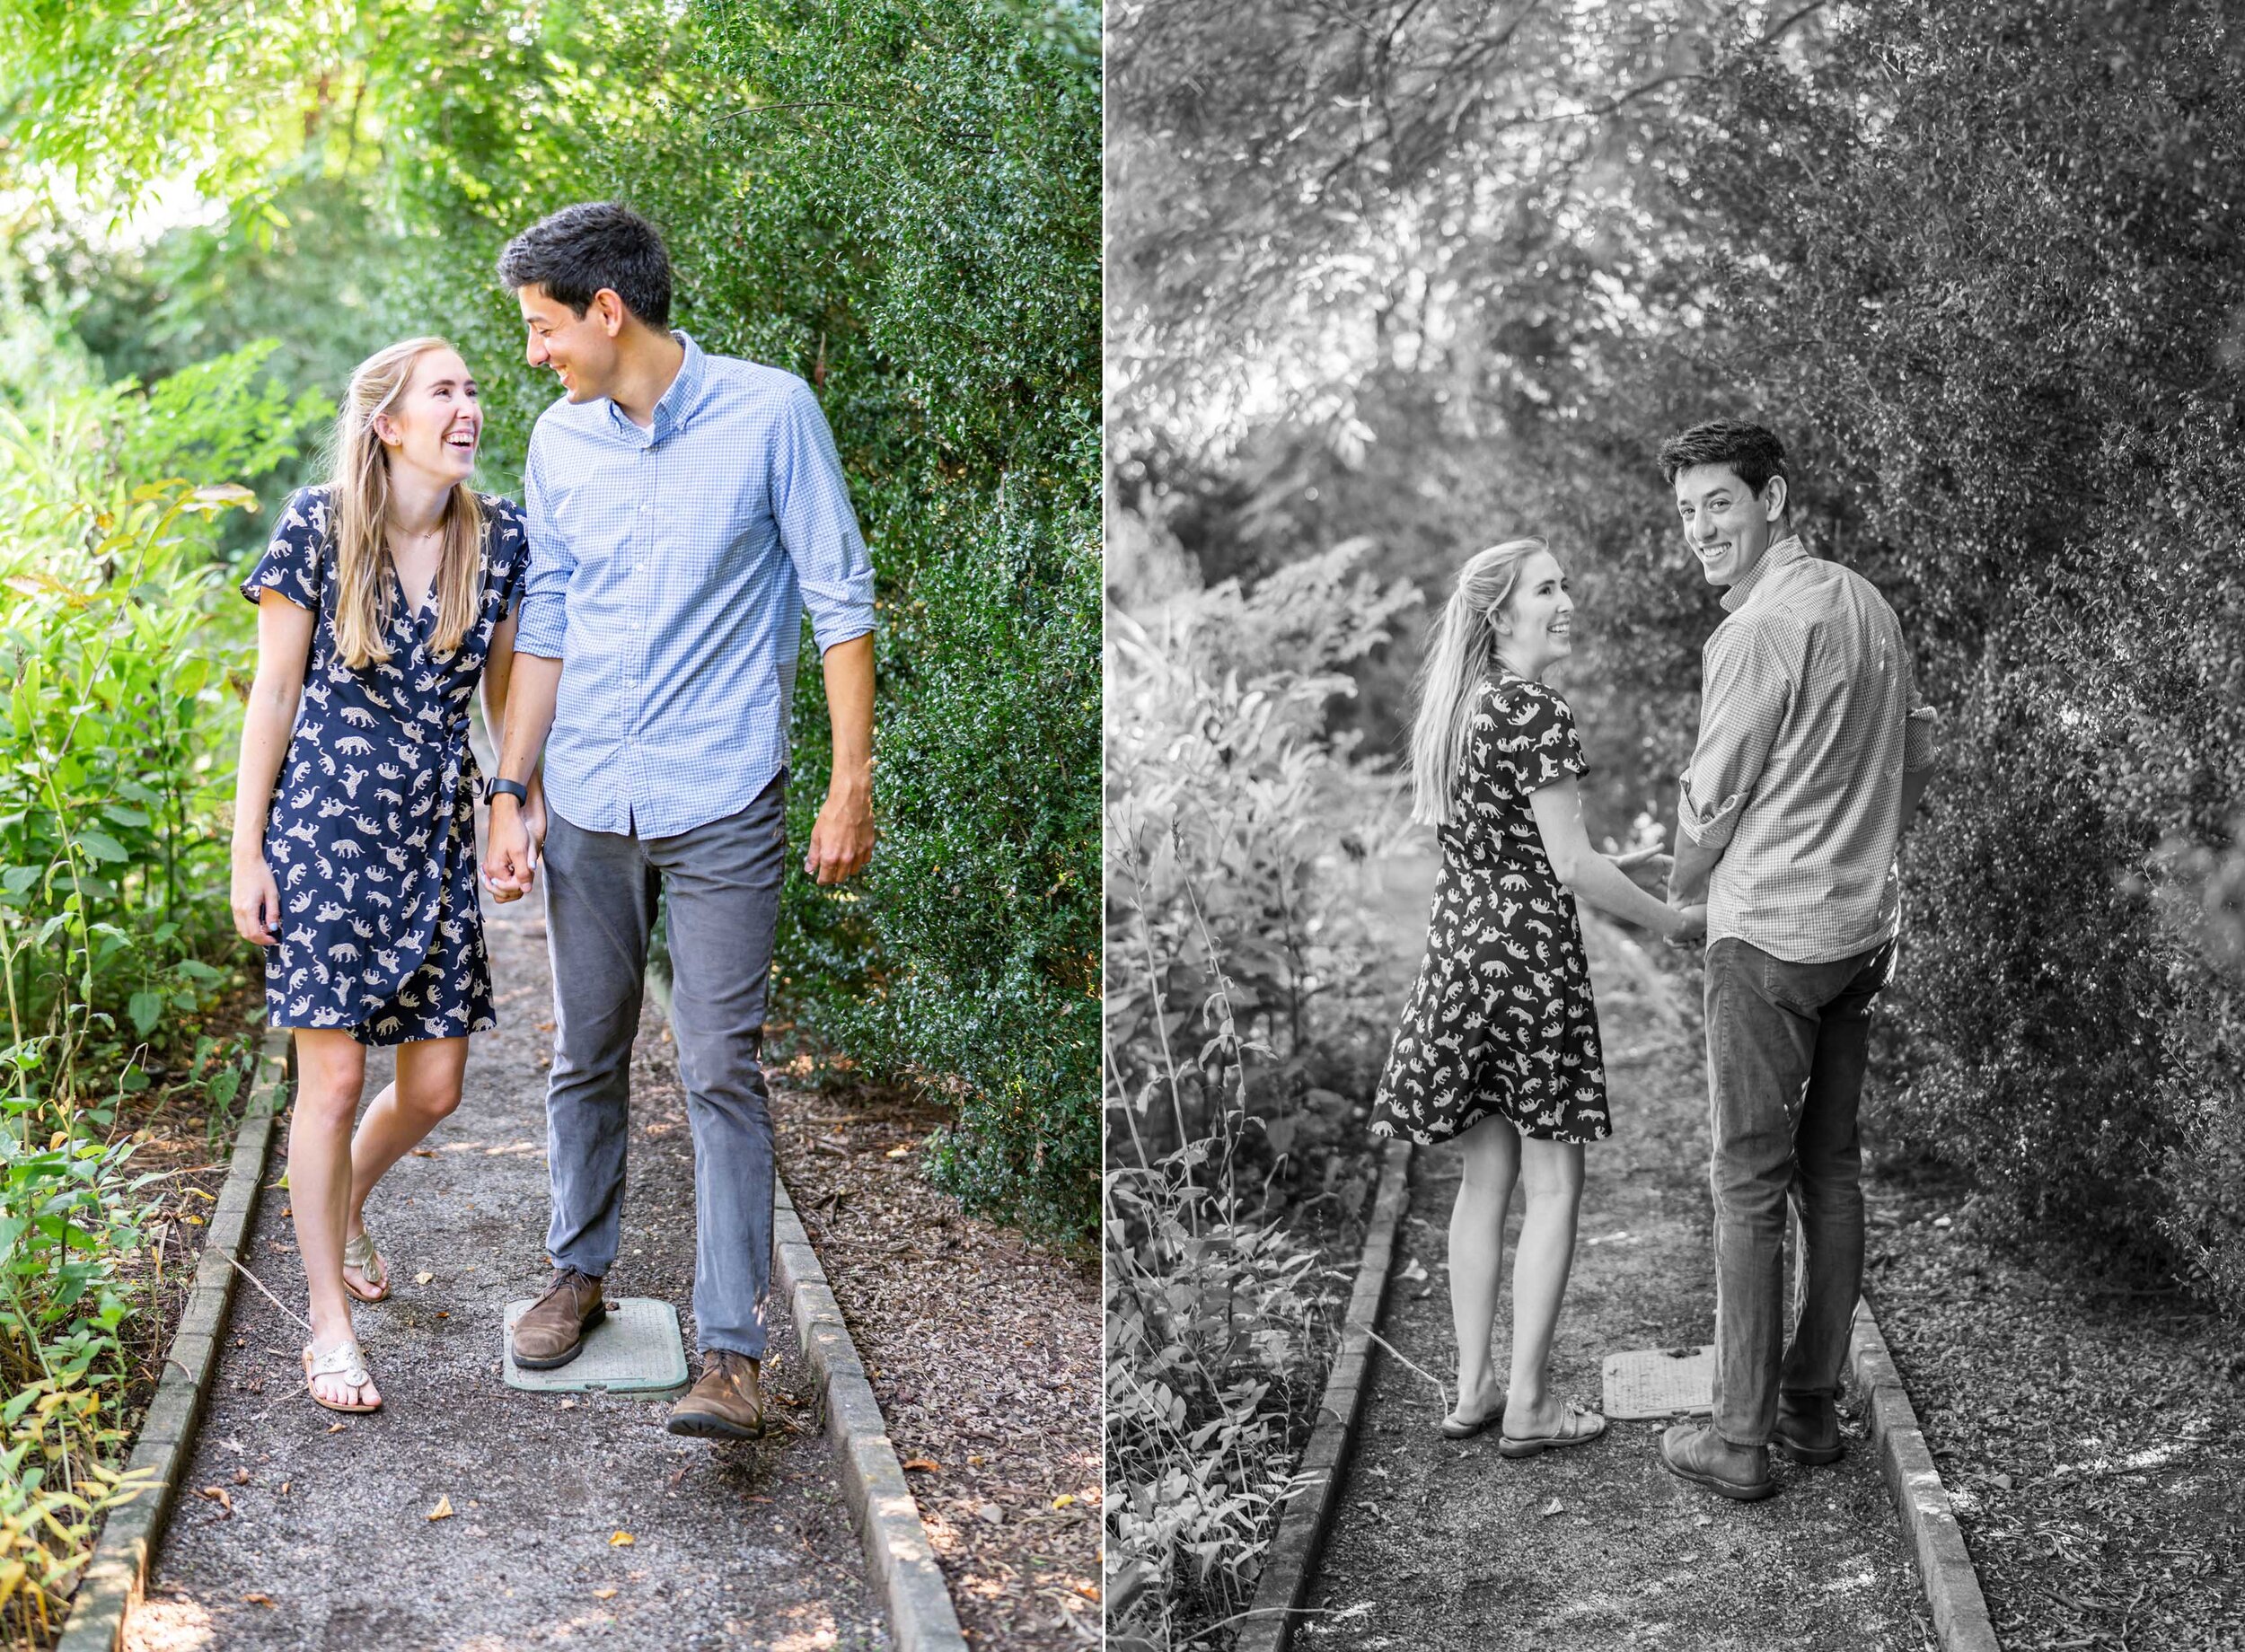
{"x":371,"y":833}
{"x":1501,"y":1020}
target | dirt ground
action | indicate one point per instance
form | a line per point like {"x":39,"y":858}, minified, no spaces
{"x":1443,"y":1544}
{"x":577,"y":1523}
{"x":984,"y":1351}
{"x":2091,"y":1427}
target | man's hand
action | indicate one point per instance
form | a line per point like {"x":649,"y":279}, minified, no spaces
{"x":1691,"y":926}
{"x":842,"y":842}
{"x":1648,"y":869}
{"x":510,"y":858}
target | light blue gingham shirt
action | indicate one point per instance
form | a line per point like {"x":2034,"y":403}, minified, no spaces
{"x":670,"y":569}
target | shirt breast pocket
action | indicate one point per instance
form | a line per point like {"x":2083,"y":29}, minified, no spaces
{"x":716,"y":537}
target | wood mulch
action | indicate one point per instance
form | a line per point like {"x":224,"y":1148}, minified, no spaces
{"x":984,"y":1351}
{"x":183,"y":1147}
{"x":2090,"y":1426}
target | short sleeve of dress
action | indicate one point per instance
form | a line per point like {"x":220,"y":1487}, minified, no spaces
{"x":509,"y":564}
{"x":1521,"y":740}
{"x":1552,"y":749}
{"x":295,"y":559}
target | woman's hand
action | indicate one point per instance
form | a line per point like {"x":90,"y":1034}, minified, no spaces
{"x":257,"y":903}
{"x":1648,"y":869}
{"x":1690,"y":925}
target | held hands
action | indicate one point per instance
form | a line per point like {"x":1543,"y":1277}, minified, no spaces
{"x":1648,"y":869}
{"x":1690,"y":925}
{"x":256,"y":902}
{"x":510,"y":861}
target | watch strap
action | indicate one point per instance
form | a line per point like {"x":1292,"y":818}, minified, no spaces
{"x":511,"y":788}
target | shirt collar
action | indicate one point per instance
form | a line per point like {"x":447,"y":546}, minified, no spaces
{"x":677,"y":403}
{"x":1787,"y":549}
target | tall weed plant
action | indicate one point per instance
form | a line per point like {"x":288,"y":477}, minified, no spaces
{"x":1240,"y":1021}
{"x":121,"y":645}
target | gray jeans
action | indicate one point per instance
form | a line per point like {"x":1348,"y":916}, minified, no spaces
{"x":1786,"y":1046}
{"x":722,"y":882}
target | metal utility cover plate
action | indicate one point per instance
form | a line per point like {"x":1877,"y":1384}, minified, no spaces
{"x":1659,"y":1382}
{"x":636,"y":1349}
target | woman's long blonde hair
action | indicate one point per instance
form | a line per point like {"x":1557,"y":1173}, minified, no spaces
{"x":359,"y":482}
{"x":1461,"y":648}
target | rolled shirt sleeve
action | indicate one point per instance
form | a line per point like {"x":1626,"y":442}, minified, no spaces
{"x":1921,"y":734}
{"x":810,"y":502}
{"x":544,"y":621}
{"x":1743,"y":699}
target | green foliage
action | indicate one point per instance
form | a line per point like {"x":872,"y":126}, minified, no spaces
{"x":118,"y":640}
{"x":899,"y":202}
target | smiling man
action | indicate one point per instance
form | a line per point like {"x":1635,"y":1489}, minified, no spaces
{"x":684,"y":510}
{"x":1814,"y":748}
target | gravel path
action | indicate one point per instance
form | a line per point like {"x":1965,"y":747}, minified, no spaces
{"x":1444,"y":1544}
{"x":328,"y":1543}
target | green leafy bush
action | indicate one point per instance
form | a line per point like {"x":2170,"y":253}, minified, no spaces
{"x":120,"y":644}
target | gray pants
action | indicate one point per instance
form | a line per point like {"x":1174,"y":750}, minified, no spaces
{"x":722,"y":882}
{"x":1786,"y":1046}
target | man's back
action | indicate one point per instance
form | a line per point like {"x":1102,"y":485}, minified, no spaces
{"x":1811,"y":681}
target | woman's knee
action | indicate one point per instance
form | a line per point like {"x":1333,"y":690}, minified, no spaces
{"x":326,"y":1107}
{"x":430,"y":1104}
{"x":1551,"y":1173}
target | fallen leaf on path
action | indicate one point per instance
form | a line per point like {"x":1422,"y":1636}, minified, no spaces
{"x":1413,"y":1271}
{"x":621,"y":1540}
{"x":932,"y":1466}
{"x":902,"y":1150}
{"x":241,"y":1477}
{"x":544,"y":1027}
{"x":338,"y":1428}
{"x":255,"y":1599}
{"x":992,"y":1513}
{"x":568,"y":1405}
{"x":424,"y":1153}
{"x":423,"y":1278}
{"x":218,"y":1495}
{"x":1552,"y":1507}
{"x":284,"y":1490}
{"x":442,"y":1511}
{"x":604,"y":1594}
{"x":1065,"y":1501}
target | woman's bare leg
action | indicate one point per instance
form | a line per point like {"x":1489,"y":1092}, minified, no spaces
{"x":421,"y":1097}
{"x":330,"y":1072}
{"x":1492,"y":1150}
{"x":1551,"y":1176}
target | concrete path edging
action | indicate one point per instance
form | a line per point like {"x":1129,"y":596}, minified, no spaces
{"x":899,"y":1557}
{"x":119,"y":1567}
{"x":1929,"y":1521}
{"x":1291,"y":1562}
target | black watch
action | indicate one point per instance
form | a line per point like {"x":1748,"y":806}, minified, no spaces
{"x":512,"y":788}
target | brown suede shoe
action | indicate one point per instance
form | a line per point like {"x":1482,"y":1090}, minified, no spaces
{"x":551,"y":1330}
{"x":1808,"y":1428}
{"x":726,"y":1404}
{"x":1696,"y":1453}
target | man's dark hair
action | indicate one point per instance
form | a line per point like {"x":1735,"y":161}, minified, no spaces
{"x":582,"y":249}
{"x":1753,"y":451}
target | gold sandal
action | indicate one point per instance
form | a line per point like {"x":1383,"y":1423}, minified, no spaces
{"x":360,"y":1253}
{"x":345,"y":1360}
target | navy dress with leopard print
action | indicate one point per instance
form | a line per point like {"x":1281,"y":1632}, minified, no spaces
{"x":1501,"y":1022}
{"x":372,"y":832}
